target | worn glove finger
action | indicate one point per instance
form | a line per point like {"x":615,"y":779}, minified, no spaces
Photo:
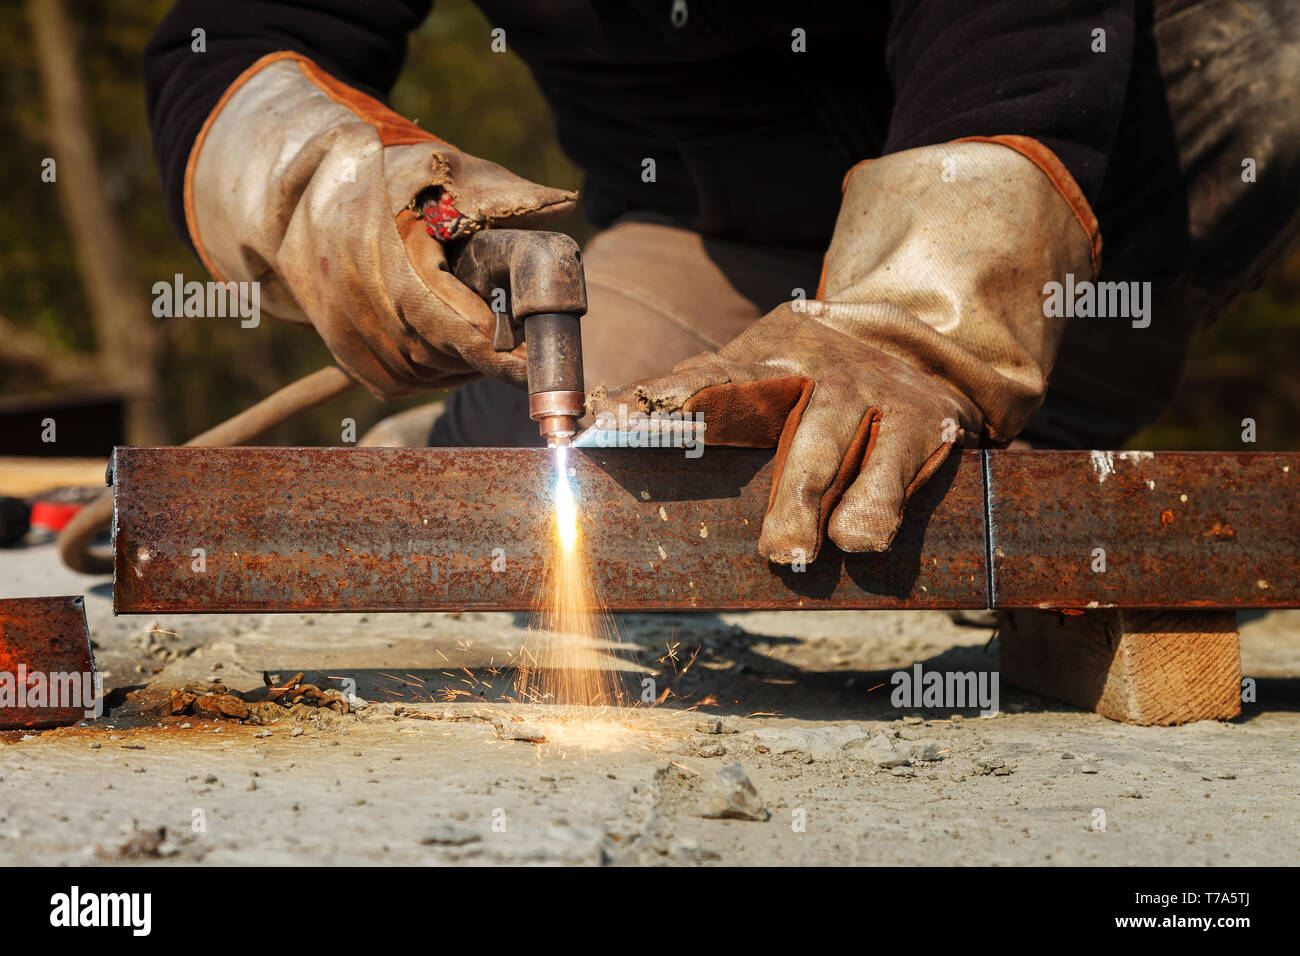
{"x":903,"y":457}
{"x":669,"y":393}
{"x":448,"y":297}
{"x":819,"y":454}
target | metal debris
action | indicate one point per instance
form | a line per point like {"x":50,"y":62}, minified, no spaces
{"x":295,"y":691}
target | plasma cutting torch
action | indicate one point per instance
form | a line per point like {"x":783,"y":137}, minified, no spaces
{"x":535,"y":285}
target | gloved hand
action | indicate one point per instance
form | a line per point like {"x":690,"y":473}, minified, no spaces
{"x":928,"y":333}
{"x":317,"y":191}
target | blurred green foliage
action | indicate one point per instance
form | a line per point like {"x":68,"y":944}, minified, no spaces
{"x":1248,"y":365}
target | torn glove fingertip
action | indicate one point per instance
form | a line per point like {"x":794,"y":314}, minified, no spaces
{"x":789,"y":538}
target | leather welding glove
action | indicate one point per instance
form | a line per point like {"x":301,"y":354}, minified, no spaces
{"x":318,"y":192}
{"x":928,"y":333}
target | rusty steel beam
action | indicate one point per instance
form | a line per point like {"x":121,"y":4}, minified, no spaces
{"x":46,"y":664}
{"x":1174,"y":529}
{"x":419,"y":529}
{"x":294,"y":529}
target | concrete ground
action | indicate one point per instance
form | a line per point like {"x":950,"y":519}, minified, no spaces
{"x":426,"y":773}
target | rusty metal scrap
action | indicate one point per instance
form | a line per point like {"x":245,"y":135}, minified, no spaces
{"x":46,"y":664}
{"x":301,"y":529}
{"x":295,"y":691}
{"x":213,"y":700}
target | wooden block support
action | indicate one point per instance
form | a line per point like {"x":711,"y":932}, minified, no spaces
{"x":1140,"y":667}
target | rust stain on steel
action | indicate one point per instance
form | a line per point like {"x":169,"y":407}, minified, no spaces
{"x":1179,"y":529}
{"x":43,"y":641}
{"x":362,"y":529}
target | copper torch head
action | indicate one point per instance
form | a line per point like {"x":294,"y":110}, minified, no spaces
{"x":556,"y":414}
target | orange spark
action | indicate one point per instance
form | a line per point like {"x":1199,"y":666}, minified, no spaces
{"x":572,"y":635}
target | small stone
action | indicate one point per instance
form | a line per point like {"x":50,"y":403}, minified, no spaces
{"x":511,"y":730}
{"x":926,"y":750}
{"x":712,"y":750}
{"x":689,"y":850}
{"x":913,"y":720}
{"x":296,"y":732}
{"x":1067,"y":756}
{"x":882,"y":752}
{"x":1089,"y":768}
{"x":993,"y":764}
{"x":448,"y":834}
{"x":822,"y":744}
{"x":709,"y":727}
{"x":1227,"y":776}
{"x":902,"y":772}
{"x":96,"y":746}
{"x":729,"y":795}
{"x":1132,"y":794}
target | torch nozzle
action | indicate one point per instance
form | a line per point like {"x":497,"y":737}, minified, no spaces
{"x":556,"y":413}
{"x":558,"y":429}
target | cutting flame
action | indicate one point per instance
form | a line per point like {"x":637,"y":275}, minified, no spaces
{"x":566,"y":512}
{"x":574,"y":647}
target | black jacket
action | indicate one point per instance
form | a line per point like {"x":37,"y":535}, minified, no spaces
{"x":751,"y":139}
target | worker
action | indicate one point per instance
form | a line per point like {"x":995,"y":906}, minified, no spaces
{"x":865,"y":234}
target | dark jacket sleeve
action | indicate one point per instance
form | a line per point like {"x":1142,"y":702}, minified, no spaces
{"x":1027,"y":67}
{"x":363,"y":44}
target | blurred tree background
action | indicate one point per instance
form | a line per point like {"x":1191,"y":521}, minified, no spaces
{"x":209,"y":369}
{"x":1248,"y":365}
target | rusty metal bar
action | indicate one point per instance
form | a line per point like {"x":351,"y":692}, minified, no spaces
{"x":276,"y":529}
{"x":1143,"y":530}
{"x":47,"y":670}
{"x":294,"y":529}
